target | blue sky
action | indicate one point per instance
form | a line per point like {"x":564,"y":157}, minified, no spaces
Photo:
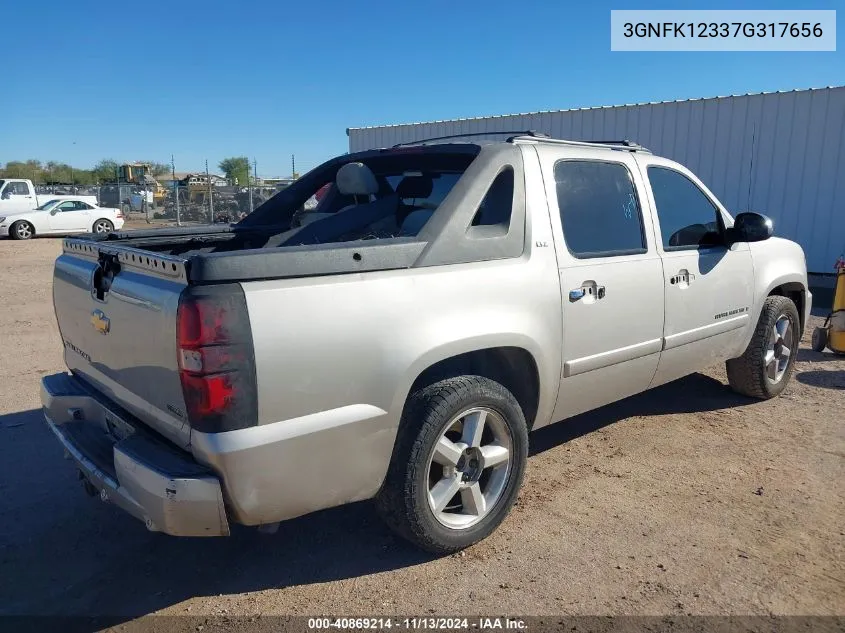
{"x":205,"y":80}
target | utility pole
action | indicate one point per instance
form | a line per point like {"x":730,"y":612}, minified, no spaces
{"x":72,"y":181}
{"x":292,"y":167}
{"x":145,"y":203}
{"x":175,"y":189}
{"x":210,"y":201}
{"x":249,"y":185}
{"x":254,"y":176}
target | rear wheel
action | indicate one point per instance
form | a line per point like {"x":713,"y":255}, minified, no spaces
{"x":763,"y":371}
{"x":103,"y":226}
{"x":457,"y":465}
{"x":21,"y":230}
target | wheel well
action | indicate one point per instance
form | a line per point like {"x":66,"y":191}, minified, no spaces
{"x":25,"y":222}
{"x":512,"y":367}
{"x":796,"y":292}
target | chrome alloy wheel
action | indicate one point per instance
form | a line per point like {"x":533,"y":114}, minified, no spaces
{"x":23,"y":230}
{"x":102,"y":226}
{"x":779,"y":349}
{"x":468,"y":468}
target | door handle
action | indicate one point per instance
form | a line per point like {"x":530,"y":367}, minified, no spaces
{"x":592,"y":290}
{"x":683,"y":278}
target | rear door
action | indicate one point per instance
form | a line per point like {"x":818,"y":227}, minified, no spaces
{"x":708,"y":286}
{"x":611,"y":277}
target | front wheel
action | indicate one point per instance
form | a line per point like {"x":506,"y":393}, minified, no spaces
{"x":457,"y":465}
{"x":763,"y":371}
{"x":103,"y":226}
{"x":21,"y":230}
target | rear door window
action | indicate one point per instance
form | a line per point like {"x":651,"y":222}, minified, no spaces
{"x":599,"y":209}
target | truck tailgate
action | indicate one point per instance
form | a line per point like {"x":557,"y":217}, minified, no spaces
{"x":116,"y":309}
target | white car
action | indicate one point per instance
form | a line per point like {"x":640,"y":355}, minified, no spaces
{"x":60,"y":217}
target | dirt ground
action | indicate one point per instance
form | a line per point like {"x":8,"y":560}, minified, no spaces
{"x":687,"y":499}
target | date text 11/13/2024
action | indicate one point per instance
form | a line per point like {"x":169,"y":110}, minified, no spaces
{"x":417,"y":623}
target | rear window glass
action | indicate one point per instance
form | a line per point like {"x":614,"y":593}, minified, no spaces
{"x":378,"y":197}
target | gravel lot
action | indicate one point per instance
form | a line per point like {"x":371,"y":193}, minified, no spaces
{"x":688,"y":499}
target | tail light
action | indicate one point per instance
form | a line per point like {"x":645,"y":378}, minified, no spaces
{"x":119,"y":215}
{"x":216,"y":358}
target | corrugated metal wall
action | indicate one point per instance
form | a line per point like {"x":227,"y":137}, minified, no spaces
{"x":778,"y":153}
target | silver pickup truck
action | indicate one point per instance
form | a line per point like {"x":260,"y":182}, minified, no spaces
{"x":446,"y":299}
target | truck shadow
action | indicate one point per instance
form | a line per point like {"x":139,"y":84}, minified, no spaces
{"x":62,"y":553}
{"x":812,"y":356}
{"x":691,"y":394}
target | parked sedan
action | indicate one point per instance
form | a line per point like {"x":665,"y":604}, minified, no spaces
{"x":60,"y":217}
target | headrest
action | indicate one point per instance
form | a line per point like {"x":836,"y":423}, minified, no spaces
{"x":415,"y":187}
{"x":356,"y":179}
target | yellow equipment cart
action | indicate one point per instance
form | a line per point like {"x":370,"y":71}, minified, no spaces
{"x":832,"y":333}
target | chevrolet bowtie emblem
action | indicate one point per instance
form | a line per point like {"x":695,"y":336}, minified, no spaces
{"x":100,"y":321}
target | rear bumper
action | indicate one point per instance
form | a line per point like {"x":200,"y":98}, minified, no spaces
{"x":151,"y":480}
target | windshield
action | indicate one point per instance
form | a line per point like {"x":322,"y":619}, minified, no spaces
{"x":47,"y":205}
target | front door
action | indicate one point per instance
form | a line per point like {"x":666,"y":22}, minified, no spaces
{"x":708,"y":286}
{"x":70,"y":216}
{"x":611,"y":279}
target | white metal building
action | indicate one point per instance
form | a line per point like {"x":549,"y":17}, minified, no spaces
{"x":779,"y":153}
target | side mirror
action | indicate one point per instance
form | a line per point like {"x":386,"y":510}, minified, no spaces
{"x":752,"y":227}
{"x":54,"y":211}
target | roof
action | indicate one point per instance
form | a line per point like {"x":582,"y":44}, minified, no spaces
{"x":625,"y":105}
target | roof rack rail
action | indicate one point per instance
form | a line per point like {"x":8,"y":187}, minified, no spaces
{"x":623,"y":145}
{"x":515,"y":133}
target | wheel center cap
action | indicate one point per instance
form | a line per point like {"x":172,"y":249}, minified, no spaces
{"x":471,"y":465}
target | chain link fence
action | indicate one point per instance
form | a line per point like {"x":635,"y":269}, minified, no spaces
{"x":191,"y":199}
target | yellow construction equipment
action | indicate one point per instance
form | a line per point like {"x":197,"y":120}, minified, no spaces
{"x":832,"y":333}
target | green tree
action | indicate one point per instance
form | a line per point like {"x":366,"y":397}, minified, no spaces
{"x":30,"y":169}
{"x":105,"y":170}
{"x":236,"y":167}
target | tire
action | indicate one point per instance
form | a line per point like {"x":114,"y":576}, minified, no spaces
{"x":819,"y":339}
{"x":21,"y":230}
{"x":102,"y":226}
{"x":483,"y":495}
{"x":763,"y":371}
